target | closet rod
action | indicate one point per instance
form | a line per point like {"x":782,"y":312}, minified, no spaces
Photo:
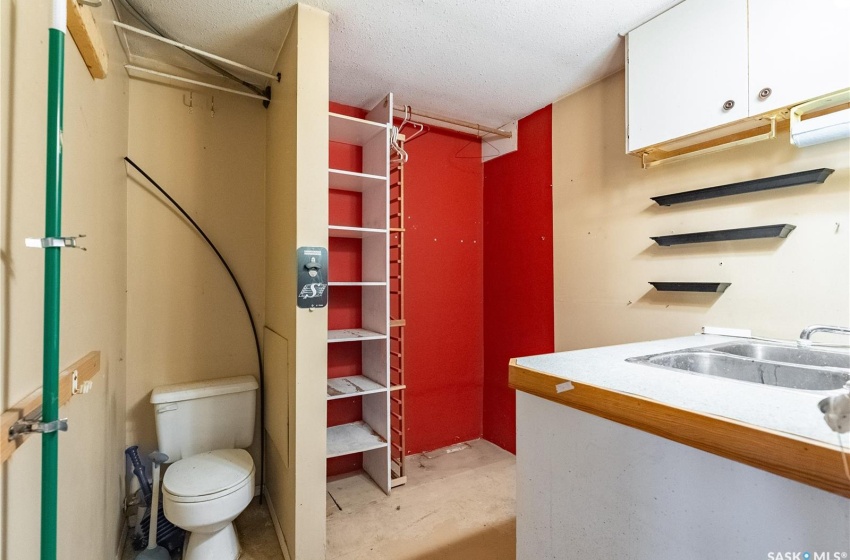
{"x":456,"y":122}
{"x":129,"y":67}
{"x":193,"y":50}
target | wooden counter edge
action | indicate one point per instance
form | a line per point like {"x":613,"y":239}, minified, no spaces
{"x":798,"y":459}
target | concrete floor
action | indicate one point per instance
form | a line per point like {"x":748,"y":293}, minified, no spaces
{"x":256,"y":535}
{"x":458,"y":504}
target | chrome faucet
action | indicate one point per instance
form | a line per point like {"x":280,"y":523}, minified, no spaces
{"x":806,"y":335}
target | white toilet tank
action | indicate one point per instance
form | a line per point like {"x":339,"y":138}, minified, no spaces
{"x":193,"y":418}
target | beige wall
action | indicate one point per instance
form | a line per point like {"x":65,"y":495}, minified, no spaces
{"x":186,"y":321}
{"x":296,"y":339}
{"x":93,"y":282}
{"x":603,"y":218}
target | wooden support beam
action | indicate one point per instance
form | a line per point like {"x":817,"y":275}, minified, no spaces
{"x":86,"y":368}
{"x":87,"y":36}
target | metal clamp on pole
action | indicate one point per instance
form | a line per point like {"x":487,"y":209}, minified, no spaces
{"x":32,"y":424}
{"x":54,"y":242}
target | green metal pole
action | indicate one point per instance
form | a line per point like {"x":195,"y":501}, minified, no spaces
{"x":52,"y":278}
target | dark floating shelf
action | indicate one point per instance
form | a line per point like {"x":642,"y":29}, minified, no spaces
{"x":717,"y":287}
{"x":778,"y":182}
{"x":757,"y":232}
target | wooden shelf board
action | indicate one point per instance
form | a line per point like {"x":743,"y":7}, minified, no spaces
{"x":352,"y":181}
{"x":83,"y":29}
{"x":352,"y":386}
{"x":353,"y":335}
{"x":803,"y":460}
{"x":353,"y":232}
{"x":355,"y":437}
{"x":351,"y":130}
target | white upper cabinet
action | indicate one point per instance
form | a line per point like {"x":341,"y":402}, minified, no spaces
{"x":757,"y":55}
{"x":683,"y":67}
{"x":799,"y":49}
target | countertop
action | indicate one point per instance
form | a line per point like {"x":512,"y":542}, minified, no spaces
{"x":774,"y":408}
{"x":772,"y":428}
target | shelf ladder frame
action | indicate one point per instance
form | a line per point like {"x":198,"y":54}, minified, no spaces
{"x":397,"y":324}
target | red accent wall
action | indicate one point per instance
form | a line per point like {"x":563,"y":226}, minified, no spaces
{"x":470,"y":305}
{"x":518,"y":286}
{"x":444,"y":276}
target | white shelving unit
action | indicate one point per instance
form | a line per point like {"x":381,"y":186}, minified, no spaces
{"x":357,"y":283}
{"x":352,"y":181}
{"x":356,"y":437}
{"x":370,"y":435}
{"x":352,"y":386}
{"x":348,"y":231}
{"x":354,"y":335}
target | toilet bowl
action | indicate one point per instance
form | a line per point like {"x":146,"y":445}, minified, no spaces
{"x":204,"y":428}
{"x":203,"y":494}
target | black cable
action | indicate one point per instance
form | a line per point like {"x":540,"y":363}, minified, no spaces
{"x":247,"y":310}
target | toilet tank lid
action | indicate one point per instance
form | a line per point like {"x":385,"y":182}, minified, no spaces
{"x":202,"y":389}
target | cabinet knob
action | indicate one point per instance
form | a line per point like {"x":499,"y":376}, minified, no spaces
{"x":765,"y":93}
{"x":728,"y":105}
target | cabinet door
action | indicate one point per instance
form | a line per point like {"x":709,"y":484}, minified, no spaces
{"x":682,"y":67}
{"x":800,"y":49}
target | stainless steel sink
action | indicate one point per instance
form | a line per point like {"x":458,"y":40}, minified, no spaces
{"x":788,"y":354}
{"x":782,"y":366}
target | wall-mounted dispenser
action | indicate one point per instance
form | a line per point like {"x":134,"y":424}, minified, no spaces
{"x":312,"y":277}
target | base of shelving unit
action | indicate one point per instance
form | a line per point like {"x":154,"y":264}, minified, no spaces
{"x":355,"y":437}
{"x":352,"y":386}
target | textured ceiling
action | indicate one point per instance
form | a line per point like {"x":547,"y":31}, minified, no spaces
{"x":489,"y":61}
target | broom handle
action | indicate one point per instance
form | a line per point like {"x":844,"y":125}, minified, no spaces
{"x":154,"y":507}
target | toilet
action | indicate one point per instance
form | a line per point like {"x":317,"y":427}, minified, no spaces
{"x":204,"y":428}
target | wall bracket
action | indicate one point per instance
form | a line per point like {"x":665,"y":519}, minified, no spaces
{"x":54,"y":242}
{"x":32,"y":424}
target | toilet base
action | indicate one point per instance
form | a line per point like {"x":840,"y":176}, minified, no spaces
{"x":221,"y":545}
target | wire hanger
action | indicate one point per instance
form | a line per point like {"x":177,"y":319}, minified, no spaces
{"x":422,"y":129}
{"x":394,"y":141}
{"x":482,"y":138}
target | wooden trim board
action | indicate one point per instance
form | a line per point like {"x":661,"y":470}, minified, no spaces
{"x":694,"y":143}
{"x":83,"y":29}
{"x":798,"y":459}
{"x":86,"y":367}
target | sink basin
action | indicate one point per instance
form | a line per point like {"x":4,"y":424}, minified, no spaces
{"x":781,"y":366}
{"x":788,"y":354}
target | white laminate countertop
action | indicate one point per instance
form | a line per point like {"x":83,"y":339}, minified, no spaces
{"x":790,"y":411}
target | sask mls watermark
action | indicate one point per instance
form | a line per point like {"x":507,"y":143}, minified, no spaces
{"x":806,"y":555}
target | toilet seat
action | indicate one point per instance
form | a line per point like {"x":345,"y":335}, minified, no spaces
{"x":208,"y":476}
